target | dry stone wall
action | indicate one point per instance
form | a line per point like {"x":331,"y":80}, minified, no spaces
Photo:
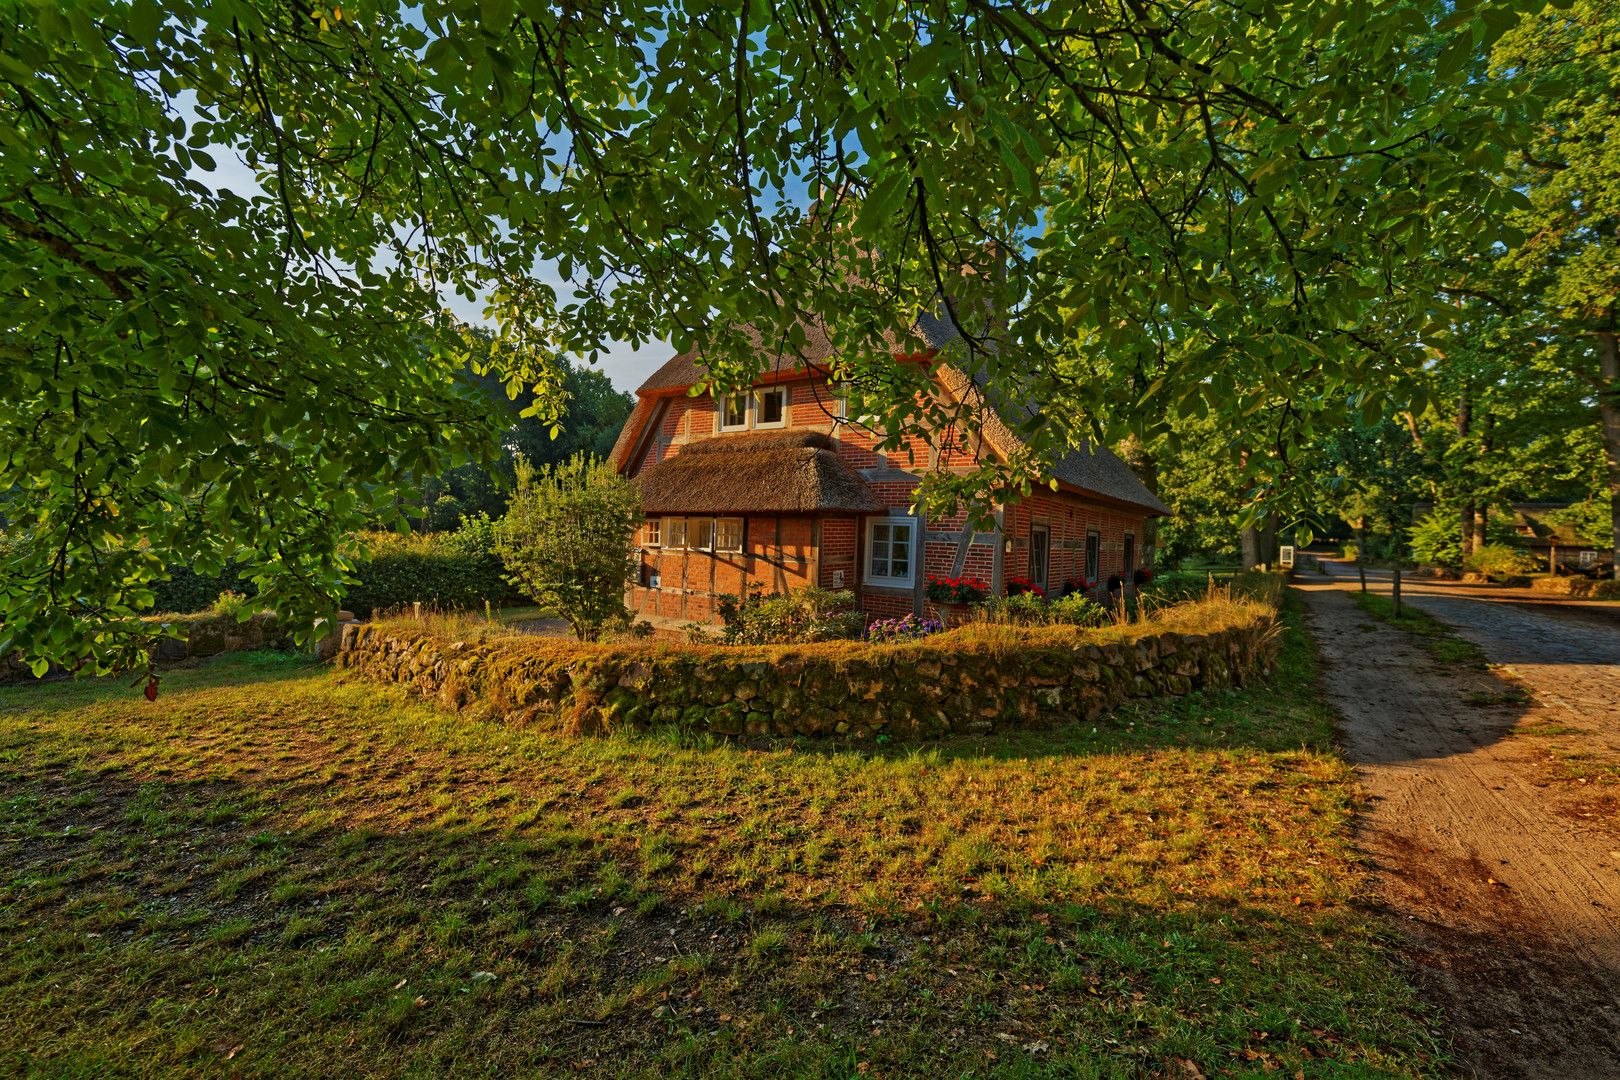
{"x":911,"y":690}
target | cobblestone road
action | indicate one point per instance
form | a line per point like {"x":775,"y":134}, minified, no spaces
{"x":1491,"y":823}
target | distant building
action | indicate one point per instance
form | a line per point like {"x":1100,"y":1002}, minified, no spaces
{"x":1543,"y":538}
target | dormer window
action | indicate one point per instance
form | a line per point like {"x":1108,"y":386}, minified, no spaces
{"x":770,"y":407}
{"x":734,"y":412}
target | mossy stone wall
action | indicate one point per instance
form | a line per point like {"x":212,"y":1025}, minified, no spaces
{"x":914,"y":690}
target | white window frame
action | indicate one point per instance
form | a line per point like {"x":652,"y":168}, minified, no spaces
{"x":702,"y":537}
{"x":865,"y":420}
{"x":653,"y":530}
{"x":747,"y":411}
{"x":914,"y":547}
{"x":757,"y":405}
{"x":672,"y":527}
{"x":721,"y":527}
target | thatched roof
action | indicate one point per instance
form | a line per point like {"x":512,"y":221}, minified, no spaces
{"x":1094,"y":468}
{"x":777,"y":472}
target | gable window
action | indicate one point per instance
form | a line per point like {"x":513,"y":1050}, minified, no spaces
{"x":1128,"y":562}
{"x":700,"y":533}
{"x":734,"y":412}
{"x":676,"y":533}
{"x":770,"y":407}
{"x":889,"y":544}
{"x":653,"y":533}
{"x":728,"y":535}
{"x":1093,"y":546}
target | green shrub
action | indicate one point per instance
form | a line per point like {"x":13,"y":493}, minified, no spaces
{"x":447,"y":570}
{"x":797,"y":618}
{"x":1174,"y":585}
{"x":1501,"y":561}
{"x":1349,"y":552}
{"x":568,"y":540}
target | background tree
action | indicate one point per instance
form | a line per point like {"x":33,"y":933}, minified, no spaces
{"x":1570,"y":264}
{"x":589,"y":421}
{"x":568,"y":540}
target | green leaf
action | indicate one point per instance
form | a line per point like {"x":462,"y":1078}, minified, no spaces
{"x":1453,"y":56}
{"x":883,"y":200}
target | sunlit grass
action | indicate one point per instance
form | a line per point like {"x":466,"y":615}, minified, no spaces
{"x":266,"y":870}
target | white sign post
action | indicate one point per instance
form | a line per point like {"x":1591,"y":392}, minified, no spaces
{"x":1288,"y":555}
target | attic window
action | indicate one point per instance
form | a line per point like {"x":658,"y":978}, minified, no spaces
{"x":654,"y":532}
{"x":677,"y":533}
{"x":702,"y":533}
{"x":770,"y":407}
{"x":734,"y":412}
{"x":729,"y":535}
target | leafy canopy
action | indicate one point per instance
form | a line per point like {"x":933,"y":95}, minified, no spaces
{"x":1123,"y":209}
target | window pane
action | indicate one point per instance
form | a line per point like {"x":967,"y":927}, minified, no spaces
{"x":900,"y":552}
{"x":770,"y":407}
{"x":736,"y":411}
{"x":880,"y":551}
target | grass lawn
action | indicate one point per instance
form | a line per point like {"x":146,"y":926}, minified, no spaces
{"x":270,"y":872}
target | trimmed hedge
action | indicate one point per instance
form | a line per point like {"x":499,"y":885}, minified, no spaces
{"x":445,"y":570}
{"x":187,"y":591}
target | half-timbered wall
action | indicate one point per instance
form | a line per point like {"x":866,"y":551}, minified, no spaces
{"x":787,"y":553}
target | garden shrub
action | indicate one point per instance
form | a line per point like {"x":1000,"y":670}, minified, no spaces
{"x":1501,"y":561}
{"x":568,"y":540}
{"x":1029,"y":609}
{"x":801,"y":617}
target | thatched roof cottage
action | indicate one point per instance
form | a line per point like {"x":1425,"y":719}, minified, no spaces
{"x":780,"y":486}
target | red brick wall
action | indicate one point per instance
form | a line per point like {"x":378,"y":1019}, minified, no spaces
{"x":1069,"y":518}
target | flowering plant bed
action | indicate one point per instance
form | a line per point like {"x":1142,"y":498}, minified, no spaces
{"x":957,"y":590}
{"x":1077,"y":585}
{"x":910,"y":628}
{"x":1019,"y":585}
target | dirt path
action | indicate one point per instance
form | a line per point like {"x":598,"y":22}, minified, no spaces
{"x":1506,"y":879}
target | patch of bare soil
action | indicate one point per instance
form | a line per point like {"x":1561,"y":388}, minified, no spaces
{"x":1508,"y":896}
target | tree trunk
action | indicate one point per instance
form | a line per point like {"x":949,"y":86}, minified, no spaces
{"x":1609,"y":411}
{"x":1482,"y":511}
{"x":1268,"y":541}
{"x":1249,"y":540}
{"x":1361,"y":539}
{"x":1465,"y":415}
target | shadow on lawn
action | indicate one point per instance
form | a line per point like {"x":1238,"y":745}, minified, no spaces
{"x":164,"y":927}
